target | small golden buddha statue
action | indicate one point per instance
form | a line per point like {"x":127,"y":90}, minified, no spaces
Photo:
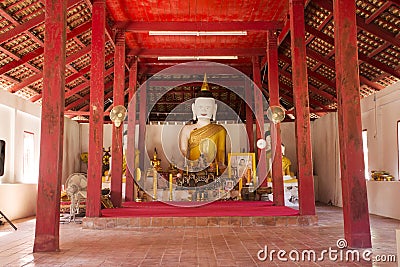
{"x":156,"y":162}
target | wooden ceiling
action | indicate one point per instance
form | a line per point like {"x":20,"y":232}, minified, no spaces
{"x":22,"y":36}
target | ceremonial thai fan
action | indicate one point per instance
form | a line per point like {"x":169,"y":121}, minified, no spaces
{"x":276,"y":114}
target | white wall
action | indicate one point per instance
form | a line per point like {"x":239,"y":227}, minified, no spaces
{"x":325,"y":143}
{"x":18,"y":200}
{"x":380,"y":113}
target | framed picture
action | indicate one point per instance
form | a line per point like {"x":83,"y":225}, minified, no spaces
{"x":229,"y":184}
{"x":242,"y":165}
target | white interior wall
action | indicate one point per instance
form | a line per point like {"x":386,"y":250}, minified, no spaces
{"x":18,"y":199}
{"x":380,"y":113}
{"x":326,"y":164}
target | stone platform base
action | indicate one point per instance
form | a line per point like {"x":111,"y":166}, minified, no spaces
{"x":102,"y":223}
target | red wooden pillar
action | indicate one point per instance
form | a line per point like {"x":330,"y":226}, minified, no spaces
{"x":118,"y":96}
{"x":142,"y":125}
{"x":300,"y":92}
{"x":354,"y":192}
{"x":259,"y":111}
{"x":52,"y":129}
{"x":276,"y":149}
{"x":96,"y":120}
{"x":249,"y":114}
{"x":130,"y":154}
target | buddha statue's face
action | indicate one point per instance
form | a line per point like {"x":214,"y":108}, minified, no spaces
{"x":204,"y":107}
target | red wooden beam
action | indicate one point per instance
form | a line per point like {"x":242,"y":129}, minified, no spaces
{"x":354,"y":191}
{"x":243,"y":52}
{"x":130,"y":192}
{"x":276,"y":142}
{"x":117,"y":132}
{"x":93,"y":202}
{"x":145,"y":26}
{"x":300,"y":92}
{"x":142,"y":124}
{"x":52,"y":130}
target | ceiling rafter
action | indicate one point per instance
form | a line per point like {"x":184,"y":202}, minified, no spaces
{"x":28,"y":81}
{"x":29,"y":24}
{"x":313,"y":89}
{"x":311,"y":100}
{"x":361,"y":56}
{"x":80,"y":87}
{"x":371,"y":28}
{"x":39,"y":51}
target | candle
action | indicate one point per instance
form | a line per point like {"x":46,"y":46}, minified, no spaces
{"x":248,"y":175}
{"x":170,"y":186}
{"x":240,"y":188}
{"x":187,"y":170}
{"x":216,"y":164}
{"x":154,"y":184}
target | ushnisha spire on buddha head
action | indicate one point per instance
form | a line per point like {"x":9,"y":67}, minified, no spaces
{"x":204,"y":107}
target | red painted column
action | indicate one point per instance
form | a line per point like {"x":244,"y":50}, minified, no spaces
{"x":142,"y":126}
{"x":117,"y":132}
{"x":300,"y":92}
{"x":354,"y":192}
{"x":96,"y":120}
{"x":259,"y":111}
{"x":276,"y":149}
{"x":52,"y":129}
{"x":130,"y":154}
{"x":249,"y":115}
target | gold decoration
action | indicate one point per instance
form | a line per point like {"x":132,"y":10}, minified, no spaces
{"x":205,"y":86}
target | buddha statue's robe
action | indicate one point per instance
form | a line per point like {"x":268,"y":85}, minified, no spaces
{"x":208,"y":140}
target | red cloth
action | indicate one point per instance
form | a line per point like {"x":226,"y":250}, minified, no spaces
{"x":213,"y":209}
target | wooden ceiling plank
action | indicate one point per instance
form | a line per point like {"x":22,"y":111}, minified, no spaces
{"x":371,"y":28}
{"x":361,"y":56}
{"x":311,"y":88}
{"x":145,"y":26}
{"x":31,"y":55}
{"x":379,"y":65}
{"x":378,"y":12}
{"x":38,"y":76}
{"x":290,"y":89}
{"x":28,"y":25}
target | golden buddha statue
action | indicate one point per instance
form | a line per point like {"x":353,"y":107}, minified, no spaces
{"x":203,"y":140}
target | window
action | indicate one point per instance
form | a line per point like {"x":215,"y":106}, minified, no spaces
{"x":365,"y":150}
{"x":29,"y":158}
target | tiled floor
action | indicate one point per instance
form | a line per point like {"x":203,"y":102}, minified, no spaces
{"x":213,"y":246}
